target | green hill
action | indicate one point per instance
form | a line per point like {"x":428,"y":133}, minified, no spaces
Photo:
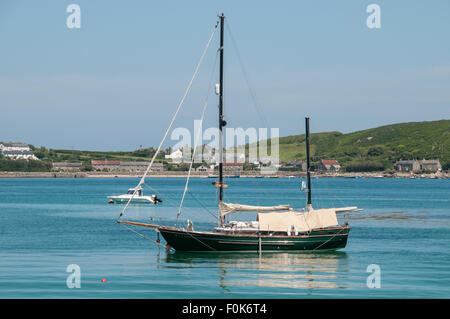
{"x":380,"y":146}
{"x":369,"y":150}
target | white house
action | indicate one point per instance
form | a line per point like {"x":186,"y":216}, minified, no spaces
{"x":175,"y":156}
{"x":21,"y":147}
{"x":17,"y":151}
{"x":202,"y":168}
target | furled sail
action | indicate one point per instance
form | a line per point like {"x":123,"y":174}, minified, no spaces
{"x":229,"y":208}
{"x":346,"y":209}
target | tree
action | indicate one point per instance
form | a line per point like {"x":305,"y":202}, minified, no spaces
{"x":41,"y":152}
{"x":86,"y":167}
{"x":376,"y":151}
{"x":446,"y":166}
{"x":364,"y":166}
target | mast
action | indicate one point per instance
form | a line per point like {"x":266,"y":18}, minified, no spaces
{"x":221,"y":121}
{"x":308,"y":174}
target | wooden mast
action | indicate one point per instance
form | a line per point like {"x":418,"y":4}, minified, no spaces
{"x":221,"y":121}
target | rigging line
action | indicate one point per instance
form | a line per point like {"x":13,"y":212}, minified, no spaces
{"x":246,"y":77}
{"x":200,"y":241}
{"x":338,"y":233}
{"x":249,"y":85}
{"x":167,"y":199}
{"x":270,"y":195}
{"x":329,"y":194}
{"x":145,"y":237}
{"x":174,"y":117}
{"x":175,"y":202}
{"x":159,"y":244}
{"x":339,"y":197}
{"x":201,"y":204}
{"x":197,"y":138}
{"x":306,"y":195}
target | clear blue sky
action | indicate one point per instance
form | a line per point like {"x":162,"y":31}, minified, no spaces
{"x":115,"y":83}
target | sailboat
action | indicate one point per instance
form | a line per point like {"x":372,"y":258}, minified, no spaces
{"x":276,"y":228}
{"x":135,"y":195}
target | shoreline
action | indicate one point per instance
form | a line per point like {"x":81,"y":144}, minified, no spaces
{"x":280,"y":174}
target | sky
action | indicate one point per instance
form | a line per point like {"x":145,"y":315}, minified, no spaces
{"x":115,"y":83}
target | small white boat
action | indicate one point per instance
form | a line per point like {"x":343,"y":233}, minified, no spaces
{"x":137,"y":198}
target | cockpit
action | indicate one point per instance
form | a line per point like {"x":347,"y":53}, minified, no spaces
{"x":138,"y":192}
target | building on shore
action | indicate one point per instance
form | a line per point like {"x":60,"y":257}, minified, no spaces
{"x":133,"y":166}
{"x":176,"y":156}
{"x":202,"y":169}
{"x":17,"y":151}
{"x":233,"y":167}
{"x":105,"y":165}
{"x":296,"y":165}
{"x":407,"y":166}
{"x":14,"y":147}
{"x":329,"y":165}
{"x":413,"y":165}
{"x":66,"y":166}
{"x":432,"y":165}
{"x":140,"y":166}
{"x":129,"y":167}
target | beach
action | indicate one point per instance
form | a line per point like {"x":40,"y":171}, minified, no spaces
{"x":279,"y":174}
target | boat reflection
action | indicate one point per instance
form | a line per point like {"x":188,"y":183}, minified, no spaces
{"x":295,"y":270}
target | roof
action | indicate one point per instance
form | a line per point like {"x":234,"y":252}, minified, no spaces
{"x":105,"y":162}
{"x":407,"y":162}
{"x":135,"y":163}
{"x":157,"y":164}
{"x":17,"y":153}
{"x":67,"y":164}
{"x":296,"y":162}
{"x":232,"y":164}
{"x":125,"y":163}
{"x":10,"y":144}
{"x":432,"y":161}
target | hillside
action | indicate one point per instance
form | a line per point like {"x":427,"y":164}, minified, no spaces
{"x":382,"y":145}
{"x":368,"y":150}
{"x":59,"y":155}
{"x":47,"y":156}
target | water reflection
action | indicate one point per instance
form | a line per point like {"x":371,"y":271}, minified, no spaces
{"x":295,"y":270}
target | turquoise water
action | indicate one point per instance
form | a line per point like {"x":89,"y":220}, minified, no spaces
{"x":48,"y":224}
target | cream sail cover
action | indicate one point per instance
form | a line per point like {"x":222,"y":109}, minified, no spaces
{"x":301,"y":221}
{"x":228,"y":208}
{"x":282,"y":221}
{"x":321,"y":218}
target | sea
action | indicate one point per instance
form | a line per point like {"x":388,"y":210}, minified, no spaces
{"x":59,"y":238}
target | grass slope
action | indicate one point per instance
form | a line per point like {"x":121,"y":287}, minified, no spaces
{"x":384,"y":145}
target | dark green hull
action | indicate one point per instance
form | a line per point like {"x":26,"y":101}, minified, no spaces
{"x":324,"y":239}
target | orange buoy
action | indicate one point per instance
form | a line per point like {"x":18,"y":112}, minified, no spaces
{"x":218,"y":185}
{"x":103,"y":280}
